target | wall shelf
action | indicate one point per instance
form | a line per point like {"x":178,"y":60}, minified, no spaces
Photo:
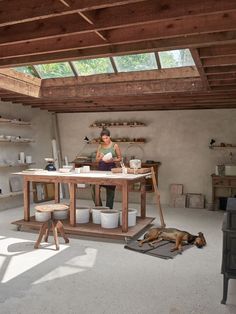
{"x":22,"y":140}
{"x":117,"y":124}
{"x":15,"y":121}
{"x":96,"y":141}
{"x":222,"y":147}
{"x":16,"y":165}
{"x":11,"y":194}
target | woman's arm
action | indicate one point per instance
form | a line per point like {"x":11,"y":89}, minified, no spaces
{"x":118,"y":153}
{"x":99,"y":155}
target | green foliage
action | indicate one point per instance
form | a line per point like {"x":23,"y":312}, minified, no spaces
{"x":26,"y":70}
{"x":93,"y":66}
{"x":53,"y":70}
{"x":137,"y":62}
{"x":175,"y":58}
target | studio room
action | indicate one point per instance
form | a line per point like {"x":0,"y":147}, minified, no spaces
{"x":117,"y":156}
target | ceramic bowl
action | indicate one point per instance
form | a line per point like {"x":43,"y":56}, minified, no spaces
{"x":109,"y":219}
{"x":82,"y":215}
{"x":42,"y":216}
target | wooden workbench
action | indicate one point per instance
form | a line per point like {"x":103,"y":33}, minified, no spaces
{"x":93,"y":177}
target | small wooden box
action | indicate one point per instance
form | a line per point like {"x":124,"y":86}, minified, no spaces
{"x":178,"y":201}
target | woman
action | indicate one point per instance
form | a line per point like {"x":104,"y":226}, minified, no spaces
{"x":107,"y":146}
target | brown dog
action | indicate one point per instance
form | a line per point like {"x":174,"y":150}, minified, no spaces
{"x":155,"y":235}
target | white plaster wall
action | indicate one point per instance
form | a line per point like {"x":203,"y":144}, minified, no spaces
{"x":40,"y":131}
{"x":178,"y":139}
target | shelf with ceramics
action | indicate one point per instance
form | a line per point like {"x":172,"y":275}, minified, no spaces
{"x":14,"y":139}
{"x":126,"y":140}
{"x":117,"y":124}
{"x":14,"y":121}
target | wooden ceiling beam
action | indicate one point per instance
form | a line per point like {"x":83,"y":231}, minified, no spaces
{"x":198,"y":63}
{"x":20,"y":11}
{"x":219,"y":61}
{"x":118,"y":89}
{"x":144,"y":108}
{"x":19,"y":83}
{"x":220,"y":70}
{"x":62,"y":26}
{"x":107,"y":50}
{"x":217,"y":51}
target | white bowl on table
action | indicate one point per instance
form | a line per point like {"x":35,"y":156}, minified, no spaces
{"x":96,"y":213}
{"x":132,"y":213}
{"x":109,"y":219}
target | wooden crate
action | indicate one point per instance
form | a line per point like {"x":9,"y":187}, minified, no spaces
{"x":195,"y":200}
{"x":132,"y":171}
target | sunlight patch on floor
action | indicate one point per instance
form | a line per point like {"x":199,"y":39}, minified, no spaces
{"x":20,"y":256}
{"x":75,"y":265}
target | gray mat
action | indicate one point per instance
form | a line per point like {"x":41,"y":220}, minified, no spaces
{"x":161,"y":249}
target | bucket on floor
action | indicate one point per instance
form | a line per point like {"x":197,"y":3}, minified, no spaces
{"x":42,"y":216}
{"x":132,"y":213}
{"x":82,"y":215}
{"x":109,"y":219}
{"x":96,"y":213}
{"x":60,"y":214}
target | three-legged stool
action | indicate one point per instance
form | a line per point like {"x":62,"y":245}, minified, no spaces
{"x":55,"y":225}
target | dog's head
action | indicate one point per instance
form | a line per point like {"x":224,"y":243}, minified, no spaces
{"x":200,"y":240}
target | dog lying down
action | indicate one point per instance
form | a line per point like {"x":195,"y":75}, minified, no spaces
{"x":180,"y":237}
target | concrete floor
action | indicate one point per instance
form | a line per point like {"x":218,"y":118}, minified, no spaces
{"x":95,"y":276}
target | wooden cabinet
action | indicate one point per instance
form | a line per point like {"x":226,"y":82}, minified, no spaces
{"x":222,"y":186}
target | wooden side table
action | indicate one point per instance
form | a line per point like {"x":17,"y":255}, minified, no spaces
{"x":51,"y":224}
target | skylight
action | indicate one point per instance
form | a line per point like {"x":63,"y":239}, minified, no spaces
{"x":26,"y":70}
{"x":53,"y":70}
{"x":137,"y":62}
{"x":176,"y":58}
{"x":93,"y":66}
{"x":127,"y":63}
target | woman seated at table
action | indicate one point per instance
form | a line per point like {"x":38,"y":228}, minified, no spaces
{"x":106,"y":164}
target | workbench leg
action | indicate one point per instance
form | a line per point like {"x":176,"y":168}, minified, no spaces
{"x":97,"y":195}
{"x":125,"y":203}
{"x":143,"y":200}
{"x":57,"y":192}
{"x":26,"y":200}
{"x":72,"y":190}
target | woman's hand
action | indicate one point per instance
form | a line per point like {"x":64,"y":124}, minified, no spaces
{"x":108,"y":161}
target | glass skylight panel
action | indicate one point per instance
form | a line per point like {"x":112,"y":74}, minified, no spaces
{"x":137,"y":62}
{"x":26,"y":70}
{"x":93,"y":66}
{"x":53,"y":70}
{"x":176,"y":58}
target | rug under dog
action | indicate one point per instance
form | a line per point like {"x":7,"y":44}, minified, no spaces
{"x":161,"y":249}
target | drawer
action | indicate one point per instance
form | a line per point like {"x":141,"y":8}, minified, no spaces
{"x":233,"y":182}
{"x":221,"y":182}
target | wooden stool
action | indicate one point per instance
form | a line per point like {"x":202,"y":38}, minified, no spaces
{"x":51,"y":223}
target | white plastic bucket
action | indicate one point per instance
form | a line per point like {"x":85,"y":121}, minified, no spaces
{"x":60,"y":214}
{"x":82,"y":215}
{"x":42,"y":216}
{"x":132,"y":213}
{"x":109,"y":219}
{"x":96,"y":213}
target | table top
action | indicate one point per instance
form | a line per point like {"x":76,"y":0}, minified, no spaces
{"x":90,"y":174}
